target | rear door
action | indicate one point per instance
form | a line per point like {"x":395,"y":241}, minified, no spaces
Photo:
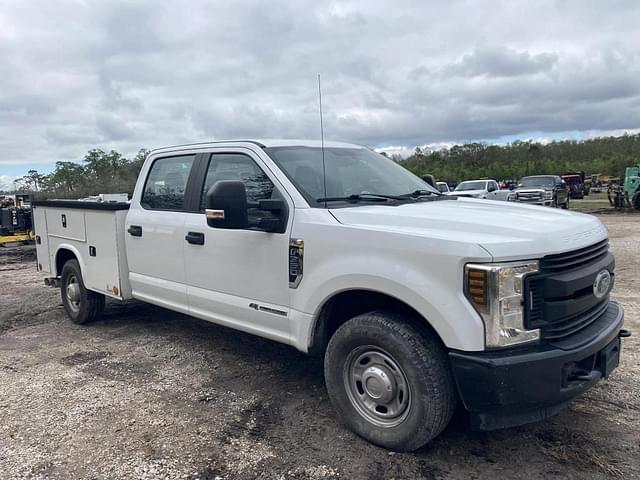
{"x":154,"y":233}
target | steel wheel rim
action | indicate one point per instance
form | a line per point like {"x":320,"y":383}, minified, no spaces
{"x":72,"y":292}
{"x":377,"y":386}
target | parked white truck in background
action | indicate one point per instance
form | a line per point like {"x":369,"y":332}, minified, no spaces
{"x":417,"y":300}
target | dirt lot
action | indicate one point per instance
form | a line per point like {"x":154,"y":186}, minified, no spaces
{"x":146,"y":393}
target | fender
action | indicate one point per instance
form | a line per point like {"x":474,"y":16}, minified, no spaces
{"x":406,"y":283}
{"x":72,"y":249}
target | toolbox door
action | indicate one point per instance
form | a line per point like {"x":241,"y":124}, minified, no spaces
{"x":42,"y":239}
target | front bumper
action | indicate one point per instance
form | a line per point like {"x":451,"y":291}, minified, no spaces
{"x":544,"y":203}
{"x":513,"y":387}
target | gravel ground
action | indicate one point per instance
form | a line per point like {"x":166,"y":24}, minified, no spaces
{"x":146,"y":393}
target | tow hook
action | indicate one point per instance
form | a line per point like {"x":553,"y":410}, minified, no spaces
{"x":624,"y":333}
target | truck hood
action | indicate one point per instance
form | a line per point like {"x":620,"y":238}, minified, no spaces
{"x":506,"y":230}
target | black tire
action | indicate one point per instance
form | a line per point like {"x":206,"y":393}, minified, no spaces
{"x":554,"y":202}
{"x":89,"y":304}
{"x":565,"y":205}
{"x":431,"y":395}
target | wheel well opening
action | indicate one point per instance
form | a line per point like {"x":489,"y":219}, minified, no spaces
{"x":62,"y":257}
{"x":346,"y":305}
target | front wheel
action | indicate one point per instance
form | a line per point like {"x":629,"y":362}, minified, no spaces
{"x":81,"y":305}
{"x":388,"y":381}
{"x":565,"y":205}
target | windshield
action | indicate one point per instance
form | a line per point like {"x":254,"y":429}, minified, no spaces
{"x":349,"y":171}
{"x":537,"y":182}
{"x":464,"y":186}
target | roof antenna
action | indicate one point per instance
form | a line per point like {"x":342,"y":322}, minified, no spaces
{"x":324,"y":170}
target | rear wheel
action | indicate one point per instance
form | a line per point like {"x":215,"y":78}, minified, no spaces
{"x":81,"y":305}
{"x":388,"y":381}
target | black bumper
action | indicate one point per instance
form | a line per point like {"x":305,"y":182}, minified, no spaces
{"x":513,"y":387}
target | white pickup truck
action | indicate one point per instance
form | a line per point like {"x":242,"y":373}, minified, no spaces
{"x":417,"y":300}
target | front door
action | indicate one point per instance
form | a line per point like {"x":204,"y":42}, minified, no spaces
{"x":239,"y":277}
{"x":154,"y":234}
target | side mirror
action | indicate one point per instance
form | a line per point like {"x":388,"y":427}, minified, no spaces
{"x":227,"y":205}
{"x":276,"y":222}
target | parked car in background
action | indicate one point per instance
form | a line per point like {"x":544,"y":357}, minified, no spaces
{"x":443,"y":187}
{"x":476,"y":188}
{"x":575,"y":184}
{"x":547,"y":190}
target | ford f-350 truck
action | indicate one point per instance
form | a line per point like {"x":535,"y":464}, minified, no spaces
{"x":416,"y":300}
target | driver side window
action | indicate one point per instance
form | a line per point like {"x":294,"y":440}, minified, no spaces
{"x":237,"y":166}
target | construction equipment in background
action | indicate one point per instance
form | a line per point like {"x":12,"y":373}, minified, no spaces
{"x":15,"y":219}
{"x":599,"y":182}
{"x":627,"y":193}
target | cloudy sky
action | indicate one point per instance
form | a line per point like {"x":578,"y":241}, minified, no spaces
{"x":121,"y":75}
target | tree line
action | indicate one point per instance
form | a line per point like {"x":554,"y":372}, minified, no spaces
{"x":605,"y":155}
{"x":111,"y":172}
{"x":99,"y":172}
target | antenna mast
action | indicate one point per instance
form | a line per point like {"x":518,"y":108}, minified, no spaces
{"x":324,"y":170}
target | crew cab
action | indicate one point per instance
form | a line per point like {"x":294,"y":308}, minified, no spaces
{"x":416,"y":300}
{"x":546,"y":190}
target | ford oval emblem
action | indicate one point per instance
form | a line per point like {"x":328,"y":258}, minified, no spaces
{"x":602,"y":283}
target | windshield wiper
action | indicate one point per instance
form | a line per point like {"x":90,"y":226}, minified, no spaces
{"x":359,"y":197}
{"x":420,"y":193}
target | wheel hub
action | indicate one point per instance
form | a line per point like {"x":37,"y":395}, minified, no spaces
{"x":73,"y":292}
{"x":379,"y":384}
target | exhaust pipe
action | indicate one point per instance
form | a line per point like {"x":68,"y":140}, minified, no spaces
{"x":52,"y":282}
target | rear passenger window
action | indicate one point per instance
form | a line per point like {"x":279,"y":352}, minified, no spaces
{"x":166,"y":183}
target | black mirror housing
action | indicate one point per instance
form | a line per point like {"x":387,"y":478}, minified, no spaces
{"x":227,"y":205}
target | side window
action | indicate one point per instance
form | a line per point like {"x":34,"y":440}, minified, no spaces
{"x":166,"y":183}
{"x":236,"y":166}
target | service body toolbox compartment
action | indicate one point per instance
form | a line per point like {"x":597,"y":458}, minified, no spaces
{"x":93,"y":232}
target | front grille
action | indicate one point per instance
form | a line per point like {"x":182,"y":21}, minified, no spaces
{"x":560,"y":300}
{"x":567,"y":261}
{"x":530,"y":196}
{"x":571,"y":325}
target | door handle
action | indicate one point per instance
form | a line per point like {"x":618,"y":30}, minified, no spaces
{"x":135,"y":230}
{"x":195,"y":238}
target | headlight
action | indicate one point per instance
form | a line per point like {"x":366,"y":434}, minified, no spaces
{"x":548,"y":195}
{"x":496,"y":291}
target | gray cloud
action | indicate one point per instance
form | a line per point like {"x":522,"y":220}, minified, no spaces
{"x":125,"y":75}
{"x":503,"y":62}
